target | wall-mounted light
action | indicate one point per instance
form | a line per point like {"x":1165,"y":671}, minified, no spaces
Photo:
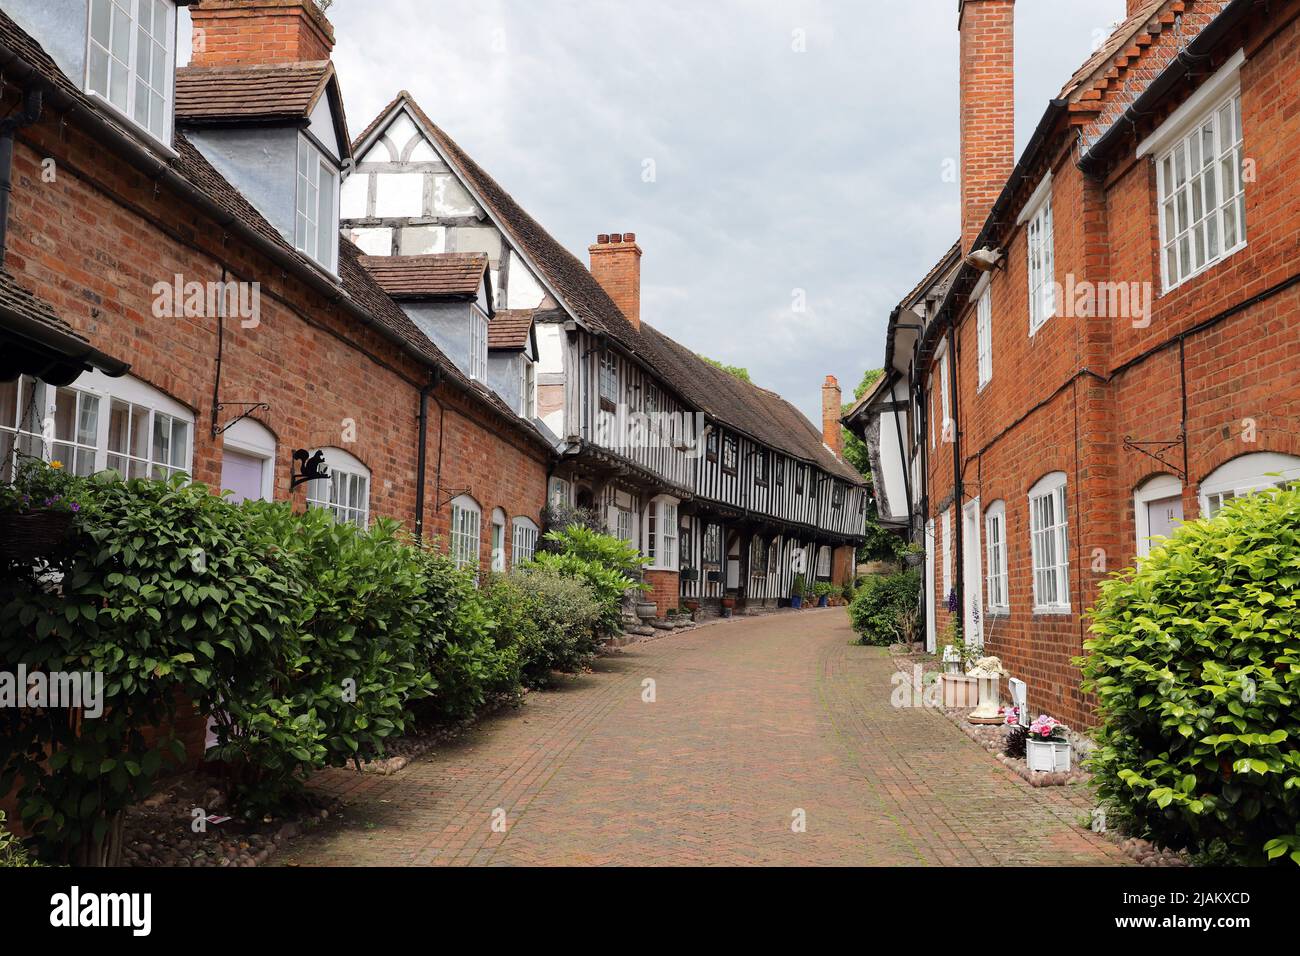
{"x":986,"y":259}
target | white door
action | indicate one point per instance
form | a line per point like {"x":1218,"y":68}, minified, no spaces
{"x":972,"y":575}
{"x":1164,"y":515}
{"x":930,"y":632}
{"x":242,"y":474}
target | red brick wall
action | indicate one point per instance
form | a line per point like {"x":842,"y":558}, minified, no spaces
{"x":1065,"y":399}
{"x":665,"y":590}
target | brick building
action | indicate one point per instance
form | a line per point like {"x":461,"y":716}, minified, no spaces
{"x":1111,"y":347}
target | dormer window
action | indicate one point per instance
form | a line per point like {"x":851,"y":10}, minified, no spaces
{"x":131,"y":61}
{"x":316,"y":232}
{"x":478,"y":344}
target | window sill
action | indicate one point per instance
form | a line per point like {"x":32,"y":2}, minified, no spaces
{"x":1052,"y":612}
{"x":132,"y":128}
{"x":660,"y":567}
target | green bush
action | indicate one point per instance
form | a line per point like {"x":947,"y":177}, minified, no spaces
{"x":162,"y":594}
{"x":1195,"y":662}
{"x":880,"y":606}
{"x":608,"y":565}
{"x":12,"y":852}
{"x":467,"y":664}
{"x":550,"y":620}
{"x":350,"y":658}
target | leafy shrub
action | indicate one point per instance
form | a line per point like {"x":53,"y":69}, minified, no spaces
{"x":465,"y":660}
{"x":1195,"y":662}
{"x":12,"y":851}
{"x":881,"y":604}
{"x":161,"y":593}
{"x":550,"y":620}
{"x":608,"y":565}
{"x":350,"y":658}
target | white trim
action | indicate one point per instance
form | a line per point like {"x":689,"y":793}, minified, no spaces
{"x":321,"y":492}
{"x":1053,"y":487}
{"x":973,"y":572}
{"x":497,"y":540}
{"x":661,"y":513}
{"x":984,"y":338}
{"x":1247,"y":474}
{"x":523,"y":538}
{"x":1041,"y":194}
{"x":458,"y":538}
{"x":996,"y":513}
{"x":1181,"y":120}
{"x":1155,"y":488}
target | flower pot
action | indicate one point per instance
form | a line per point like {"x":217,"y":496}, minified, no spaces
{"x":823,"y":601}
{"x":1048,"y":756}
{"x":960,"y":691}
{"x":796,"y":601}
{"x":26,"y":536}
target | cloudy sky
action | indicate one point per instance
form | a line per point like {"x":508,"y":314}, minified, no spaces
{"x":796,"y":145}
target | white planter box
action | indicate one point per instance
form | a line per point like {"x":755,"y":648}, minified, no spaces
{"x":1047,"y":756}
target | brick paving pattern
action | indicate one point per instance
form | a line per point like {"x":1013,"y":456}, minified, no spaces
{"x":753,"y":720}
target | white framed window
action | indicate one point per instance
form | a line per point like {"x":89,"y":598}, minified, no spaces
{"x":346,"y":492}
{"x":661,"y":533}
{"x":466,"y":518}
{"x":527,"y":390}
{"x":824,"y":561}
{"x":499,"y":540}
{"x":995,"y":544}
{"x":622,"y":524}
{"x":131,"y":61}
{"x":525,"y":541}
{"x":1049,"y":545}
{"x":478,"y":344}
{"x":1245,"y":476}
{"x":1039,"y":242}
{"x":96,"y":423}
{"x":773,"y":553}
{"x":945,"y":396}
{"x":316,"y":230}
{"x":1202,"y":193}
{"x":984,"y":336}
{"x":560,"y":492}
{"x":609,"y":380}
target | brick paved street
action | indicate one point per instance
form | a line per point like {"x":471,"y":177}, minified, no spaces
{"x":753,"y":720}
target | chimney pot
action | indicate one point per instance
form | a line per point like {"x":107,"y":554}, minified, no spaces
{"x":629,"y":237}
{"x":603,"y":238}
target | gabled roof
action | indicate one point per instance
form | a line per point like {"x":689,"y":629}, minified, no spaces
{"x":442,"y":275}
{"x":189,"y":170}
{"x":761,"y":414}
{"x":512,"y":330}
{"x":209,"y":96}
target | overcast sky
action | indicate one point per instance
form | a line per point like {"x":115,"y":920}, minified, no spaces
{"x":774,"y":169}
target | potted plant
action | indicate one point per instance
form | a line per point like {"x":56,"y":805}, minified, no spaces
{"x":1047,"y":748}
{"x":728,"y":604}
{"x":692,"y":606}
{"x":823,"y":591}
{"x":959,"y":689}
{"x":37,"y":510}
{"x":796,"y":592}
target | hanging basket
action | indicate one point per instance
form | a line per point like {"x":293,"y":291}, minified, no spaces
{"x":30,"y":535}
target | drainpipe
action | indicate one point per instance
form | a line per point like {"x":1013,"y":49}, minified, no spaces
{"x":9,"y":126}
{"x":422,"y":454}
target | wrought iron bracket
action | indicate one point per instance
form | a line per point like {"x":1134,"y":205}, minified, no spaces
{"x":221,"y":406}
{"x":1158,"y":451}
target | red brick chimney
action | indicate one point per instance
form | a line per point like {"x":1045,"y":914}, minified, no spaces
{"x":616,"y":264}
{"x":988,"y":126}
{"x":832,"y":409}
{"x":259,"y":32}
